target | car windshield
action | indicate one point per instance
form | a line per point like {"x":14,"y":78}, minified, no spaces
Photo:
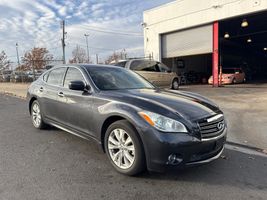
{"x":228,"y":71}
{"x":111,"y":78}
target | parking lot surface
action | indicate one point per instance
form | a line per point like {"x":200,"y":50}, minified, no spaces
{"x":245,"y":108}
{"x":53,"y":164}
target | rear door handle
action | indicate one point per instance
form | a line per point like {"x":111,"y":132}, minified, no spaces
{"x":60,"y":94}
{"x":41,"y":89}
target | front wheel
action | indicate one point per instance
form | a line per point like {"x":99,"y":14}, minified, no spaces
{"x":175,"y":84}
{"x":36,"y":115}
{"x":234,"y":81}
{"x":124,"y":148}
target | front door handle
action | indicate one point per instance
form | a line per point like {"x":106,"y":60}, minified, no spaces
{"x":60,"y":94}
{"x":41,"y":89}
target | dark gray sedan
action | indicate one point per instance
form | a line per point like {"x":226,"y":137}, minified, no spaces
{"x":138,"y":125}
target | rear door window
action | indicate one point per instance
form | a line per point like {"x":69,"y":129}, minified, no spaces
{"x":56,"y":76}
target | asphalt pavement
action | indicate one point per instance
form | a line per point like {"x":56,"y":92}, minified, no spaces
{"x":52,"y":164}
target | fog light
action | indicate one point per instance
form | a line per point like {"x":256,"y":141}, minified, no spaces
{"x":174,"y":159}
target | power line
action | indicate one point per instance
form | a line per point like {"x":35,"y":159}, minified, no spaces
{"x":110,"y":32}
{"x":100,"y":48}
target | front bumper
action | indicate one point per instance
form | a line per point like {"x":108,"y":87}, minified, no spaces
{"x":162,"y":148}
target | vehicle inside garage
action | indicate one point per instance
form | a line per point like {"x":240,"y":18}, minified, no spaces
{"x":243,"y":44}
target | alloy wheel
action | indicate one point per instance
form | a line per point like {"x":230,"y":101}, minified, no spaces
{"x":36,"y":115}
{"x":121,"y":148}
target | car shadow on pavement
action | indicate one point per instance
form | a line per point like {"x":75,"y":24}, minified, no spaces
{"x":233,"y":168}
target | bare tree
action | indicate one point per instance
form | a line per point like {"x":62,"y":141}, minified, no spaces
{"x":4,"y":62}
{"x":116,"y":57}
{"x":79,"y":55}
{"x":36,"y":58}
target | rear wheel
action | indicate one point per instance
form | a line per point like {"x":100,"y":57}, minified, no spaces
{"x":36,"y":115}
{"x":124,"y":149}
{"x":175,"y":84}
{"x":234,"y":81}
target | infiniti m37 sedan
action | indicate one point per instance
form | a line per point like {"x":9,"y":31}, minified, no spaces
{"x":138,"y":125}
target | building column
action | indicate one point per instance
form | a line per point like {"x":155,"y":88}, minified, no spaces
{"x":215,"y":55}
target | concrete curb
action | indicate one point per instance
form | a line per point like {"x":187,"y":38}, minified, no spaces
{"x":247,"y":147}
{"x":12,"y":94}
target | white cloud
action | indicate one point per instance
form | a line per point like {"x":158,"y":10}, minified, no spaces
{"x":37,"y":23}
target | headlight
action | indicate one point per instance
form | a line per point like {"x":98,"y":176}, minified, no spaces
{"x":163,"y":123}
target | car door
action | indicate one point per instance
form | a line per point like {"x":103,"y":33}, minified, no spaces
{"x":165,"y":75}
{"x":76,"y":106}
{"x":50,"y":101}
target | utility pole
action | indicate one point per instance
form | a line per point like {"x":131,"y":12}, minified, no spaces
{"x":86,"y":38}
{"x":96,"y":58}
{"x":17,"y":49}
{"x":63,"y":40}
{"x":17,"y":53}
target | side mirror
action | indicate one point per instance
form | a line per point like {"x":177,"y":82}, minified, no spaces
{"x":77,"y":85}
{"x":169,"y":71}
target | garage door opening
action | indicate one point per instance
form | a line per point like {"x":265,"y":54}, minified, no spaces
{"x":243,"y":45}
{"x":194,"y":69}
{"x":189,"y":53}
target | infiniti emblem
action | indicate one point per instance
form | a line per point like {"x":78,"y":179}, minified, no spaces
{"x":220,"y":125}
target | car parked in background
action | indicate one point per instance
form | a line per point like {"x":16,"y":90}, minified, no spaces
{"x":19,"y":76}
{"x":47,"y":67}
{"x":138,"y":125}
{"x":231,"y":76}
{"x":155,"y":72}
{"x":39,"y":72}
{"x":5,"y":76}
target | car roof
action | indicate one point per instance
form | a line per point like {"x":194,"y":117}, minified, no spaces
{"x":102,"y":66}
{"x":84,"y":66}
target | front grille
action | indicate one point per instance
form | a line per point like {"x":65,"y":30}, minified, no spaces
{"x":212,"y":128}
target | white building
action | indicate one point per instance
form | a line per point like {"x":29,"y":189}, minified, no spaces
{"x":200,"y":35}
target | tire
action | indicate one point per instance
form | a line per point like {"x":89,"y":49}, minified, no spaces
{"x":124,"y":148}
{"x":234,"y":81}
{"x":175,"y":84}
{"x":36,"y":116}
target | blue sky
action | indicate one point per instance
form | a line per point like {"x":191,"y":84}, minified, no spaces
{"x":37,"y":23}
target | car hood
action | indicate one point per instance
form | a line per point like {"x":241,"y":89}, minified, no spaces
{"x":186,"y":104}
